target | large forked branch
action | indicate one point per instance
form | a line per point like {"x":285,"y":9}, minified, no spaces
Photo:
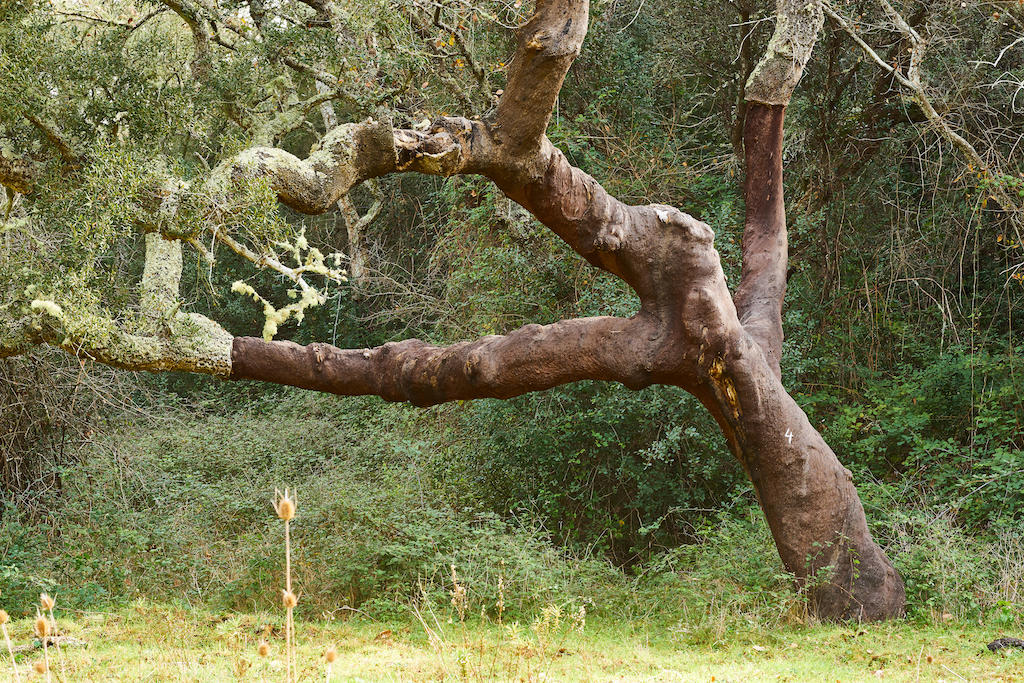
{"x":687,"y":332}
{"x":511,"y":150}
{"x":632,"y":242}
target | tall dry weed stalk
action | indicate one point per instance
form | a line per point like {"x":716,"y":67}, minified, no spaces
{"x":4,"y":618}
{"x":501,"y":593}
{"x":460,"y":600}
{"x":284,"y":505}
{"x":48,"y":603}
{"x":42,"y":628}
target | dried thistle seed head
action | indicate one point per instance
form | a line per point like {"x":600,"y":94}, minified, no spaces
{"x":40,"y":667}
{"x":263,"y":648}
{"x":46,"y":601}
{"x":330,"y":655}
{"x":4,"y":616}
{"x":284,"y":506}
{"x":288,"y":599}
{"x":42,"y":626}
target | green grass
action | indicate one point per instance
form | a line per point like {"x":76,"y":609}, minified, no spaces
{"x":150,"y":642}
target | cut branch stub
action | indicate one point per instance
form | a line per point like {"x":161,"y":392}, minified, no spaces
{"x":346,"y":156}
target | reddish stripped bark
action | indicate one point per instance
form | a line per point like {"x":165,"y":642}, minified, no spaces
{"x":808,"y":497}
{"x":532,"y":358}
{"x":763,"y":283}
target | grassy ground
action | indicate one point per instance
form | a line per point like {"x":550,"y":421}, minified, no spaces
{"x":147,"y":642}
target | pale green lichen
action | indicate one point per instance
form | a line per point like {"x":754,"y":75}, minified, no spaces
{"x":161,"y":276}
{"x":275,"y":317}
{"x":776,"y":75}
{"x":48,"y":307}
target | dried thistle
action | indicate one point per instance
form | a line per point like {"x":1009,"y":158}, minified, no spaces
{"x":48,"y":603}
{"x":501,"y":595}
{"x":284,"y":505}
{"x":329,"y":656}
{"x":42,"y":626}
{"x":42,"y":629}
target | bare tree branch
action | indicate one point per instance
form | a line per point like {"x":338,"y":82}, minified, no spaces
{"x":912,"y":83}
{"x":532,"y":358}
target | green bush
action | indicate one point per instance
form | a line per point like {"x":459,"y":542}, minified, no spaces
{"x":953,"y":428}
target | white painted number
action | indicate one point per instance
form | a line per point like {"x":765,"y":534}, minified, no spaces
{"x":789,"y":435}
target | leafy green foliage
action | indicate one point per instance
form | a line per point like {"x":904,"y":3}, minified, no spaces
{"x":953,"y":427}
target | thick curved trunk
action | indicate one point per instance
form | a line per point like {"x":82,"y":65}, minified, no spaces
{"x":808,"y":497}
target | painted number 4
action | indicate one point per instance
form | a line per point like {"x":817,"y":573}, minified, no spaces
{"x":789,"y":435}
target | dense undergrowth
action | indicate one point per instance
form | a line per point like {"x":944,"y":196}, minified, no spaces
{"x":178,"y":507}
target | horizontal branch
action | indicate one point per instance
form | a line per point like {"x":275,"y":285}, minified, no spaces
{"x":532,"y":358}
{"x":186,"y":342}
{"x":351,"y":153}
{"x":609,"y":233}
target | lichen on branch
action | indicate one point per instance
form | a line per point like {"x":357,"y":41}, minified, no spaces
{"x":797,"y":25}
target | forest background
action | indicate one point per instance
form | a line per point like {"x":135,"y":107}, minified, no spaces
{"x":903,"y":345}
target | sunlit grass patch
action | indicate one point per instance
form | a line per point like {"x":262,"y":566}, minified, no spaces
{"x":156,"y":642}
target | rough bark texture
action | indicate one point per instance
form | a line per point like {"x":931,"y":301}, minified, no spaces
{"x":548,"y":44}
{"x":689,"y":331}
{"x":17,"y":173}
{"x":797,"y":23}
